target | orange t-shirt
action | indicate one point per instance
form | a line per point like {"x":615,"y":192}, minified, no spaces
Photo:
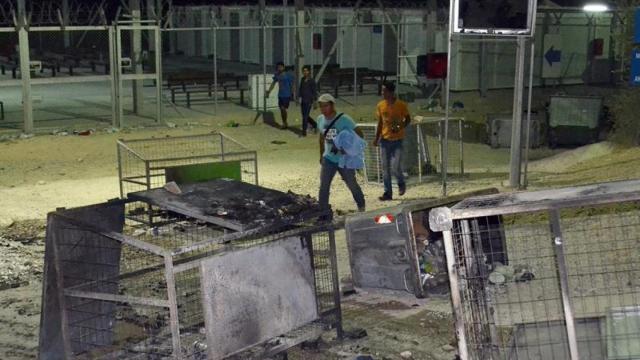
{"x":392,"y":116}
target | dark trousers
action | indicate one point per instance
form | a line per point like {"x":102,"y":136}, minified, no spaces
{"x":306,"y":119}
{"x":391,"y":164}
{"x":327,"y":173}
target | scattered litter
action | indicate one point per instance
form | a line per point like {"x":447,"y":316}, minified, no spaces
{"x":278,"y":142}
{"x":363,"y":357}
{"x":80,"y":160}
{"x":458,"y":105}
{"x":26,"y":136}
{"x":497,"y":278}
{"x":42,"y":182}
{"x":112,"y":130}
{"x":84,"y":132}
{"x":232,"y":124}
{"x":504,"y":274}
{"x":286,"y":208}
{"x":199,"y":346}
{"x":406,"y":355}
{"x":139,"y":232}
{"x":448,"y":348}
{"x":173,"y":188}
{"x":355,"y":334}
{"x":171,"y":125}
{"x":60,"y":132}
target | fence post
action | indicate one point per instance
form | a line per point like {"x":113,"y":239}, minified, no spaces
{"x":440,"y":220}
{"x":558,"y":244}
{"x":25,"y":74}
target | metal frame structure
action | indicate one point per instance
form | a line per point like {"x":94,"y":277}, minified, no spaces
{"x":424,"y":155}
{"x":100,"y":280}
{"x":557,"y":229}
{"x":516,"y":162}
{"x":529,"y":31}
{"x":142,"y":163}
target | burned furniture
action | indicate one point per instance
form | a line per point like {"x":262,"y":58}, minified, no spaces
{"x":393,"y":249}
{"x":571,"y":288}
{"x":191,"y":286}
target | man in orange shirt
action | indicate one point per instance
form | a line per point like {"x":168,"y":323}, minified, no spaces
{"x":393,"y":117}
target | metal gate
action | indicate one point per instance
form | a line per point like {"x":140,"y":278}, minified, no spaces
{"x":138,"y":64}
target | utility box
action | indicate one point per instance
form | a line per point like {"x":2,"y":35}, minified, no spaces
{"x":499,"y":130}
{"x":574,"y":120}
{"x":259,"y":84}
{"x":394,"y":249}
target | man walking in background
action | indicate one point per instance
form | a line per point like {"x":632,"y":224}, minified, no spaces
{"x":330,"y":124}
{"x":285,"y":91}
{"x":307,"y":94}
{"x":393,"y":117}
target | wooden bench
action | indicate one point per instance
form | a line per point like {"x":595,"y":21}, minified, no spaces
{"x":204,"y":89}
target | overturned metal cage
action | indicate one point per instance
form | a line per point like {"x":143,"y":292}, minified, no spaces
{"x":567,"y":285}
{"x":145,"y":164}
{"x":190,"y":287}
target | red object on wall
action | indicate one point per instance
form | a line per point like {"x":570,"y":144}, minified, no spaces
{"x":436,"y":66}
{"x":597,"y":47}
{"x":317,"y":41}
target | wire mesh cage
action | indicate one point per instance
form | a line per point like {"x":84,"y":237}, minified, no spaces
{"x":563,"y":286}
{"x":422,"y":150}
{"x":150,"y":163}
{"x":168,"y":291}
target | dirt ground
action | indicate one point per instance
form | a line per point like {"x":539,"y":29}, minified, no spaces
{"x":44,"y":172}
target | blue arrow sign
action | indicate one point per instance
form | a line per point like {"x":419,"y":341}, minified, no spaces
{"x":635,"y":67}
{"x":553,"y":56}
{"x":636,"y":32}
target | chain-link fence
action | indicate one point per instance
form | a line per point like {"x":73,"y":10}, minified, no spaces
{"x":71,"y":83}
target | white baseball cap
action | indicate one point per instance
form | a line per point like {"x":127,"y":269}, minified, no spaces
{"x":326,"y":98}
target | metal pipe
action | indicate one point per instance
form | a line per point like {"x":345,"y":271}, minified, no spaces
{"x":398,"y":40}
{"x":558,"y":243}
{"x":444,"y":142}
{"x":525,"y":180}
{"x":158,"y":53}
{"x":264,"y":62}
{"x":215,"y":69}
{"x":516,"y":125}
{"x":274,"y":27}
{"x":354,"y":54}
{"x":461,"y":144}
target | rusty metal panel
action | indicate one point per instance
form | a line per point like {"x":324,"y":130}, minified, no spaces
{"x":255,"y":294}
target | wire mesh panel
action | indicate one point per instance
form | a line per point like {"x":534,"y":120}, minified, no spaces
{"x":565,"y":283}
{"x":150,"y":163}
{"x":118,"y":291}
{"x":422,"y":150}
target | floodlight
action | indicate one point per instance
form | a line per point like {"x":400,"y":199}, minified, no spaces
{"x":595,"y":8}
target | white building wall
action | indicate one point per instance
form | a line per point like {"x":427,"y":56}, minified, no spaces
{"x":370,"y":44}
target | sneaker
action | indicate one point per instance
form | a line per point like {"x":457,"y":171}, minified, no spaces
{"x":385,"y":197}
{"x":402,"y":189}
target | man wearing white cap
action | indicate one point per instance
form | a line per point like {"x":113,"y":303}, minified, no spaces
{"x":330,"y":124}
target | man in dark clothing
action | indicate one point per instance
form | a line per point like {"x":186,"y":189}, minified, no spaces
{"x":307,"y":93}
